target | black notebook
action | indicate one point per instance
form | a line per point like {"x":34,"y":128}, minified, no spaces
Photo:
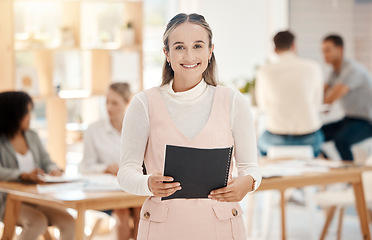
{"x":198,"y":170}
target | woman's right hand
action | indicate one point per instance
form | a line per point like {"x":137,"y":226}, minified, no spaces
{"x":34,"y":176}
{"x":158,"y":186}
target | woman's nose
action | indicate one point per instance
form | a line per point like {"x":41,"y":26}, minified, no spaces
{"x":189,"y":55}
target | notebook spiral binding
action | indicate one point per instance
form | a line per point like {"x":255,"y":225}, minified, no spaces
{"x":228,"y":166}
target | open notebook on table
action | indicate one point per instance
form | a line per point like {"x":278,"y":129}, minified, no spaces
{"x":198,"y":170}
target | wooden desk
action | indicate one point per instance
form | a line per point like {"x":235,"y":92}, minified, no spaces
{"x":352,"y":175}
{"x":78,"y":200}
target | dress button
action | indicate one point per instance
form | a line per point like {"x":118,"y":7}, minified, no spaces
{"x":146,"y":215}
{"x":235,"y":212}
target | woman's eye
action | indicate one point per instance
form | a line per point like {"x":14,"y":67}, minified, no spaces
{"x":179,"y":47}
{"x":198,"y":46}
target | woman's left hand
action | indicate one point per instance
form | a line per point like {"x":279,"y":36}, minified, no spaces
{"x":55,"y":172}
{"x":235,"y":190}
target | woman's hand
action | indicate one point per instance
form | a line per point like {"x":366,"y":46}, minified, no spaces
{"x":161,"y":189}
{"x":112,"y":169}
{"x":55,"y":172}
{"x":35,"y":176}
{"x":235,"y":190}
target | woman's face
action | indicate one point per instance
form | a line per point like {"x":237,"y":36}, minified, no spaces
{"x":25,"y":123}
{"x":189,"y":51}
{"x":115,"y":105}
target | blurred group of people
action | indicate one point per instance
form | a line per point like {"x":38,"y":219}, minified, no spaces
{"x":23,"y":158}
{"x":293,"y":93}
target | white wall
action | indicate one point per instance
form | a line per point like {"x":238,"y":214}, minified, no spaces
{"x":312,"y":20}
{"x":363,"y":32}
{"x":243,"y":31}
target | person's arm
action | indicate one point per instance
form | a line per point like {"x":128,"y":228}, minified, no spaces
{"x":133,"y":145}
{"x":326,"y":88}
{"x":90,"y":163}
{"x":9,"y":174}
{"x":349,"y":78}
{"x":249,"y":175}
{"x":134,"y":139}
{"x":335,"y":93}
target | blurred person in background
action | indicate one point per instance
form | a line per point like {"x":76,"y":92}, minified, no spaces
{"x":23,"y":158}
{"x":290,"y":92}
{"x":102,"y":151}
{"x":350,"y":83}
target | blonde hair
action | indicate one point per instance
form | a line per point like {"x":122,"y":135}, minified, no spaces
{"x":168,"y":74}
{"x":123,"y":89}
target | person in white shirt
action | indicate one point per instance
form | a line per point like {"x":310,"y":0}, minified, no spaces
{"x":290,"y":92}
{"x":102,"y":151}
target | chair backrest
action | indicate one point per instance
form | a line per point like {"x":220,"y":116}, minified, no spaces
{"x":304,"y":151}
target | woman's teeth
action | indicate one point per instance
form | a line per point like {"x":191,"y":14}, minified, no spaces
{"x":190,"y":66}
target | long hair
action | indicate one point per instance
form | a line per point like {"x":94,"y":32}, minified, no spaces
{"x":209,"y":74}
{"x":13,"y":108}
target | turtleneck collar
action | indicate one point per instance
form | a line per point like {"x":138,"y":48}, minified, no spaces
{"x":188,"y":95}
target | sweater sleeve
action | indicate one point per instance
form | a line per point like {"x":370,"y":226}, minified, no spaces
{"x":135,"y":133}
{"x":9,"y":174}
{"x":242,"y":125}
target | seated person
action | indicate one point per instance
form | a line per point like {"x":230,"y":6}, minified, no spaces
{"x":290,"y":92}
{"x":102,"y":151}
{"x":350,"y":83}
{"x":23,"y":158}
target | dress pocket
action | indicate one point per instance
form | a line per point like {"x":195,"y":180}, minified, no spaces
{"x":229,"y":221}
{"x":153,"y":217}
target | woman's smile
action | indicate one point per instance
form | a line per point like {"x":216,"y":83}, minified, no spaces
{"x":190,"y":66}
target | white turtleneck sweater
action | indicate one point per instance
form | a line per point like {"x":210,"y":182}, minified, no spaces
{"x":183,"y":107}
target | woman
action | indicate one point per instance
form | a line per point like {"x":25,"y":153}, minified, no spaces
{"x":102,"y":151}
{"x":188,"y":109}
{"x":23,"y":158}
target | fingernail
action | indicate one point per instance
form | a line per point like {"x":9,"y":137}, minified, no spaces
{"x":209,"y":196}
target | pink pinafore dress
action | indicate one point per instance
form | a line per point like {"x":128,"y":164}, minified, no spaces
{"x":188,"y":219}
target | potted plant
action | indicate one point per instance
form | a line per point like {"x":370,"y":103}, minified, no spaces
{"x":128,"y":34}
{"x":248,"y":88}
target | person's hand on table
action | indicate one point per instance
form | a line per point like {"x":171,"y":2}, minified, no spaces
{"x":36,"y":176}
{"x":159,"y":188}
{"x":55,"y":172}
{"x":112,"y":169}
{"x":235,"y":190}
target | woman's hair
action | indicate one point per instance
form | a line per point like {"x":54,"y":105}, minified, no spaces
{"x":13,"y":108}
{"x":168,"y":74}
{"x":123,"y":89}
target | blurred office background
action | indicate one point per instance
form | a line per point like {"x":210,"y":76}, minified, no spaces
{"x":66,"y":52}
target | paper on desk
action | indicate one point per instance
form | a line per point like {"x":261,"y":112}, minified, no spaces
{"x":59,"y":179}
{"x":326,"y":163}
{"x":94,"y":183}
{"x":291,"y":168}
